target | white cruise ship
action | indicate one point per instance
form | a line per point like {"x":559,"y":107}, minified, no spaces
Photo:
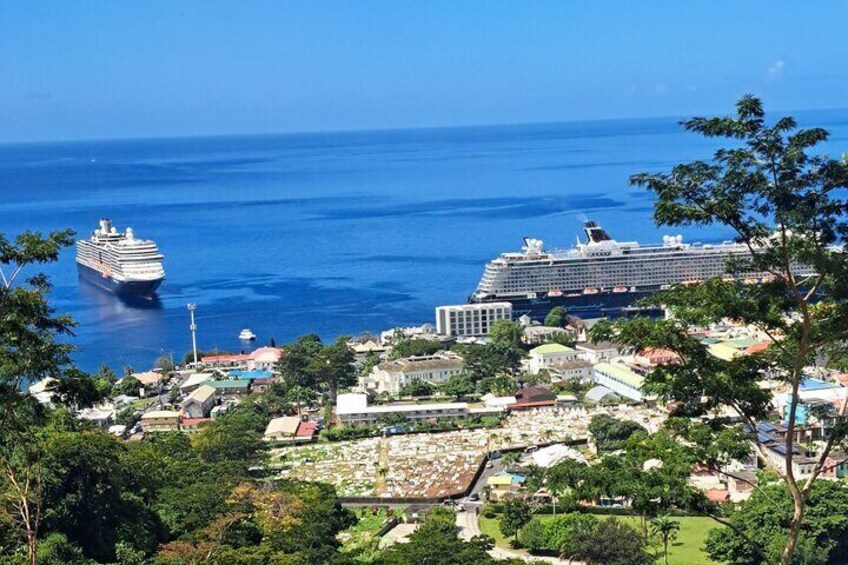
{"x":602,"y":276}
{"x":119,"y":262}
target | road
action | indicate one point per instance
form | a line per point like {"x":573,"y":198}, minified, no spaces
{"x":469,"y":526}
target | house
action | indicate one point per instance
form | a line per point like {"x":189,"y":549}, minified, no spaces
{"x":42,"y":391}
{"x":503,"y":485}
{"x":621,"y":379}
{"x":598,"y":352}
{"x":102,"y":416}
{"x":282,"y":429}
{"x":264,"y":358}
{"x":160,"y":421}
{"x":361,"y":349}
{"x":392,"y":376}
{"x":352,"y":410}
{"x":533,"y":397}
{"x":551,"y":354}
{"x":229,"y":387}
{"x":261,"y":385}
{"x":193,"y":381}
{"x":534,"y":334}
{"x":225,"y":360}
{"x":835,"y":466}
{"x":654,"y":357}
{"x":570,"y":371}
{"x":718,"y":496}
{"x":199,"y":403}
{"x":553,"y":454}
{"x":193,"y":425}
{"x":149,"y":379}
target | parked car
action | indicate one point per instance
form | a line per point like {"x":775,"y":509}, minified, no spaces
{"x":474,"y":497}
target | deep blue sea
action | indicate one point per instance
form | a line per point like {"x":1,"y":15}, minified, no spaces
{"x":333,"y":233}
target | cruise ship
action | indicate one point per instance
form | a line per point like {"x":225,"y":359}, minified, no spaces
{"x":120,"y":262}
{"x":601,"y":276}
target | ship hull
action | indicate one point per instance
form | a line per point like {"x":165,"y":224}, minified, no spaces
{"x":132,"y":289}
{"x":586,"y":306}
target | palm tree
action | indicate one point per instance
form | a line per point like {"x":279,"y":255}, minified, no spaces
{"x":667,"y":528}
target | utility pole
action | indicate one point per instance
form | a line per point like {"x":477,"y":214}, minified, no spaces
{"x":193,"y":327}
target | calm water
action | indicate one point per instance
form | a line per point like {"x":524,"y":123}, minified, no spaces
{"x":330,"y":233}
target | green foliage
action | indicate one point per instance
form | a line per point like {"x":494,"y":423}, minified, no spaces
{"x":128,"y":386}
{"x":417,"y":388}
{"x":165,"y":363}
{"x":459,"y":386}
{"x":611,"y":542}
{"x":490,"y":360}
{"x":666,"y":528}
{"x":56,"y":549}
{"x":610,"y":433}
{"x":415,"y":347}
{"x":764,"y":520}
{"x":311,"y":364}
{"x":787,"y":206}
{"x":436,"y":541}
{"x":532,"y":536}
{"x":506,"y":332}
{"x":560,"y":534}
{"x":516,"y":513}
{"x":556,"y":317}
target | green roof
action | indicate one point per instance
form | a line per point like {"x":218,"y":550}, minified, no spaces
{"x":550,"y":348}
{"x":230,"y":383}
{"x":621,"y":373}
{"x":741,"y":342}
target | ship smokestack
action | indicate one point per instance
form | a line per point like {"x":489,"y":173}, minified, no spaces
{"x":105,"y":225}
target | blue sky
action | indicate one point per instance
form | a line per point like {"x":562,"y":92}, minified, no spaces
{"x":79,"y":70}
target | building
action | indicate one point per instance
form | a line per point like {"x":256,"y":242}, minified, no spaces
{"x":228,"y":387}
{"x":282,"y":429}
{"x":533,"y":397}
{"x":550,"y":355}
{"x":352,"y":410}
{"x":470,"y":319}
{"x":392,"y":376}
{"x":160,"y":421}
{"x":620,"y":379}
{"x":577,"y":370}
{"x":537,"y":334}
{"x":149,"y":379}
{"x":102,"y":416}
{"x":598,"y":352}
{"x":654,"y":357}
{"x":225,"y":360}
{"x":264,"y":358}
{"x":194,"y":381}
{"x":193,"y":425}
{"x":504,"y":485}
{"x":199,"y":403}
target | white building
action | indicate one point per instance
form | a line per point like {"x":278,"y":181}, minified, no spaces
{"x":470,"y":319}
{"x":392,"y":376}
{"x":620,"y":379}
{"x":598,"y":352}
{"x":352,"y":410}
{"x":550,"y":355}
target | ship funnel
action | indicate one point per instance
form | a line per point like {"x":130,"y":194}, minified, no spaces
{"x":105,"y":225}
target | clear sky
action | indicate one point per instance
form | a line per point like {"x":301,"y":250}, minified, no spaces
{"x":112,"y":69}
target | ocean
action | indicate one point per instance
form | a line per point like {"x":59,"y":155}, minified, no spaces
{"x":331,"y":233}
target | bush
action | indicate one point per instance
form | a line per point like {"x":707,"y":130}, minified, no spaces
{"x":560,"y":533}
{"x":532,"y":536}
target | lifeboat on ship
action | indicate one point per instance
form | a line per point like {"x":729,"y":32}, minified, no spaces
{"x":619,"y":289}
{"x":590,"y":291}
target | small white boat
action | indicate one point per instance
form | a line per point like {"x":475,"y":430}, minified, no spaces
{"x":554,"y":292}
{"x":619,"y":289}
{"x":590,"y":291}
{"x":247,"y":335}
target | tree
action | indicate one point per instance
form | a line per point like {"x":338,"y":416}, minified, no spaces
{"x":129,"y":386}
{"x":532,"y":536}
{"x":758,"y":527}
{"x":506,"y":332}
{"x":610,"y":433}
{"x":415,"y":347}
{"x":556,"y":317}
{"x":417,"y":388}
{"x":785,"y":207}
{"x":516,"y":514}
{"x":165,"y":363}
{"x":459,"y":386}
{"x":666,"y":528}
{"x":299,"y":396}
{"x":611,"y":543}
{"x":29,"y":352}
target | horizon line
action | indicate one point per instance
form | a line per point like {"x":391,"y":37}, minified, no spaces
{"x":307,"y":132}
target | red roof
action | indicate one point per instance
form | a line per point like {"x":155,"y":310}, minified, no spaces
{"x":756,"y":348}
{"x":225,"y":358}
{"x":716,"y":495}
{"x":191,"y":422}
{"x":306,"y":429}
{"x":525,"y":405}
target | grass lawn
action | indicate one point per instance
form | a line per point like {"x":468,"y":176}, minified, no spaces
{"x":685,"y":550}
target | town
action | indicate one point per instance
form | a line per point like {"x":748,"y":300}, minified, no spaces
{"x":478,"y":410}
